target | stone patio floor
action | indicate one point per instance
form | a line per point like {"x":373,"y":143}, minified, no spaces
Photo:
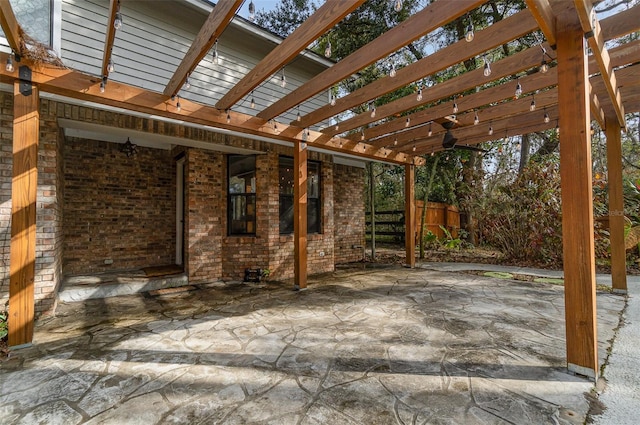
{"x":390,"y":346}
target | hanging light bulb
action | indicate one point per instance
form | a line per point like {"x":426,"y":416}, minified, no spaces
{"x":419,"y":96}
{"x":544,"y":66}
{"x":395,"y":142}
{"x":372,"y":107}
{"x":112,"y":66}
{"x":117,"y":20}
{"x":102,"y":87}
{"x":455,"y":107}
{"x":178,"y":106}
{"x":283,"y":79}
{"x":392,"y":72}
{"x":298,"y":117}
{"x":337,"y":126}
{"x":397,"y":5}
{"x":430,"y":133}
{"x":362,"y":134}
{"x":490,"y":130}
{"x":216,"y":56}
{"x":327,"y":49}
{"x":487,"y":67}
{"x":103,"y":84}
{"x":476,"y":119}
{"x":532,"y":107}
{"x":228,"y":116}
{"x":187,"y":83}
{"x":252,"y":11}
{"x":407,"y":122}
{"x":518,"y":92}
{"x":332,"y":102}
{"x":469,"y":35}
{"x":518,"y":146}
{"x":9,"y":67}
{"x":413,"y":148}
{"x":253,"y":101}
{"x":546,"y":116}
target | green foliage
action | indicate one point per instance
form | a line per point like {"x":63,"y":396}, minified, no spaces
{"x":4,"y":328}
{"x":430,"y":240}
{"x":449,"y":242}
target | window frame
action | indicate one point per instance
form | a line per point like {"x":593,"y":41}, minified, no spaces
{"x":248,"y":197}
{"x":318,"y":207}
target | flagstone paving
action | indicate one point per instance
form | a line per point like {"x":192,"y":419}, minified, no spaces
{"x":393,"y":346}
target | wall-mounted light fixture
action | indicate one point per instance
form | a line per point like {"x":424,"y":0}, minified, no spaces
{"x":129,"y":148}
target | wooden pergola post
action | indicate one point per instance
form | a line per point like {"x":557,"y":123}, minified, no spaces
{"x":300,"y":215}
{"x":616,"y":209}
{"x":409,"y":215}
{"x":577,"y":203}
{"x":26,"y":129}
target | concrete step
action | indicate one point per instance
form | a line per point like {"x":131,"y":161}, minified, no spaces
{"x":105,"y":285}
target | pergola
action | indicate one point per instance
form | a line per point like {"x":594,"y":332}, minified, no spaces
{"x":573,"y":88}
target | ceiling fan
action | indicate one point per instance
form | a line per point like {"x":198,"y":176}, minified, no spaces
{"x":449,"y":140}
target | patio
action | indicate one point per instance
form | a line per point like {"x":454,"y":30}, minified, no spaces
{"x":381,"y":346}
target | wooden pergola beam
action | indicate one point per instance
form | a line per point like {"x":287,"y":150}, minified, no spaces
{"x":621,"y":24}
{"x":591,"y":27}
{"x":329,"y":14}
{"x":300,"y":215}
{"x":77,"y":85}
{"x":542,"y":12}
{"x":430,"y":18}
{"x":213,"y":27}
{"x":512,"y":27}
{"x":10,"y":25}
{"x":504,"y":68}
{"x":109,"y":37}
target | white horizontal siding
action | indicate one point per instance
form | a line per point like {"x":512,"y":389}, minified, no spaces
{"x":153,"y":40}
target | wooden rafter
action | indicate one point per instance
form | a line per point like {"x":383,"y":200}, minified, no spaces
{"x":541,"y":10}
{"x":621,"y":24}
{"x":504,"y":68}
{"x":512,"y":27}
{"x":218,"y":19}
{"x":76,"y":85}
{"x":591,"y":26}
{"x":109,"y":37}
{"x":430,"y":18}
{"x":10,"y":25}
{"x":319,"y":23}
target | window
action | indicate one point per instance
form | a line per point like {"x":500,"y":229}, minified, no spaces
{"x":242,"y":195}
{"x":286,"y":196}
{"x":35,"y":18}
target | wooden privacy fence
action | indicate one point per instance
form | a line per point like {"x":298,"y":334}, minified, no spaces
{"x":390,"y":224}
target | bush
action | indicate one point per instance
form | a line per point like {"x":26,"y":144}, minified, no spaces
{"x":523,"y":219}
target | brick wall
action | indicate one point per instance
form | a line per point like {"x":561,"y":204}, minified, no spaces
{"x":349,"y":213}
{"x":204,"y":226}
{"x":117,"y":209}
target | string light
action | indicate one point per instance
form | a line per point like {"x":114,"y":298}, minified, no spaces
{"x":362,"y":134}
{"x":283,"y":79}
{"x":253,"y":101}
{"x":327,"y":49}
{"x":216,"y":56}
{"x":9,"y":67}
{"x":332,"y":98}
{"x":397,"y":5}
{"x":546,"y":116}
{"x":395,"y":142}
{"x":372,"y":108}
{"x":544,"y":66}
{"x":298,"y":117}
{"x":252,"y":11}
{"x":407,"y":122}
{"x":187,"y":82}
{"x":178,"y":107}
{"x":518,"y":92}
{"x":419,"y":96}
{"x":392,"y":72}
{"x":337,"y":126}
{"x":469,"y":34}
{"x":490,"y":130}
{"x":430,"y":133}
{"x":532,"y":107}
{"x":111,"y":66}
{"x":117,"y":20}
{"x":413,"y":148}
{"x":455,"y":106}
{"x":487,"y":67}
{"x":476,"y":119}
{"x":228,"y":116}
